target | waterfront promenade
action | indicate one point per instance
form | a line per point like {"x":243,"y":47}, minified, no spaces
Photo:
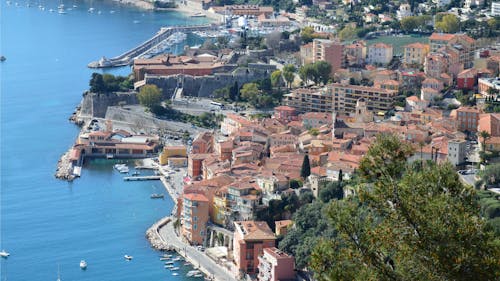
{"x":169,"y":236}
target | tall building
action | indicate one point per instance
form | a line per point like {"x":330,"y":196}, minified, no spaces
{"x":194,"y":217}
{"x":275,"y":265}
{"x":329,"y":51}
{"x":250,"y":239}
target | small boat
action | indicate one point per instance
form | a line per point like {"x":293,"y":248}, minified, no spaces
{"x":157,"y":196}
{"x":193,"y":273}
{"x":136,"y":173}
{"x":175,"y":274}
{"x":174,"y":268}
{"x":124,"y":170}
{"x":164,"y":259}
{"x":51,"y":10}
{"x":91,"y":10}
{"x":83,"y":264}
{"x":169,"y":266}
{"x":198,"y":15}
{"x":198,"y":275}
{"x":4,"y":254}
{"x":187,"y":263}
{"x":166,"y":255}
{"x":111,"y":12}
{"x":169,"y":262}
{"x":127,"y":257}
{"x":177,"y":259}
{"x":2,"y":58}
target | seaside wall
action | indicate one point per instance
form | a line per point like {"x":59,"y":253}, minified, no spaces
{"x":95,"y":105}
{"x":204,"y":86}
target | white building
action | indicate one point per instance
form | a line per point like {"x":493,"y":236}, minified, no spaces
{"x":495,"y":9}
{"x":404,"y":11}
{"x":469,"y":3}
{"x":456,"y":151}
{"x":380,"y":53}
{"x":441,"y":3}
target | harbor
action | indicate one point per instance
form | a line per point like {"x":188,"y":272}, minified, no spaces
{"x":150,"y":46}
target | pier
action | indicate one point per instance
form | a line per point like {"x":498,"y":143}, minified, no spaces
{"x":128,"y":57}
{"x":142,"y":178}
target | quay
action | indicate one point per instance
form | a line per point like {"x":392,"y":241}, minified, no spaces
{"x":142,"y":178}
{"x":128,"y":57}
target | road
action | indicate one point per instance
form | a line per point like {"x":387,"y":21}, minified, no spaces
{"x":197,"y":258}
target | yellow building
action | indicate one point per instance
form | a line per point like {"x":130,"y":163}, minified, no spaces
{"x":219,"y":208}
{"x":178,"y":151}
{"x":415,"y":53}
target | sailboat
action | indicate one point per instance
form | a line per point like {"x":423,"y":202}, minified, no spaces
{"x":91,"y":9}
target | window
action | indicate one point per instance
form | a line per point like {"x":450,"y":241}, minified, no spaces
{"x":195,"y":226}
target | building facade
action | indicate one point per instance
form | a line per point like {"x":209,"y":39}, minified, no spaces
{"x":250,"y":240}
{"x":380,"y":53}
{"x":194,"y":217}
{"x":415,"y":53}
{"x":275,"y":265}
{"x":345,"y":98}
{"x":457,"y":151}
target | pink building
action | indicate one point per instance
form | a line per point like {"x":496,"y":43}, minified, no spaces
{"x":285,"y":113}
{"x":276,"y":265}
{"x":194,"y":217}
{"x":250,"y":239}
{"x":329,"y":51}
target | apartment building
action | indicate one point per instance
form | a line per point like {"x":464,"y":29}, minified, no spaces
{"x":309,"y":100}
{"x":489,"y":86}
{"x":457,"y":151}
{"x":329,"y":51}
{"x":194,"y":217}
{"x":380,"y":53}
{"x":345,"y":98}
{"x":276,"y":265}
{"x":250,"y":240}
{"x":467,"y":119}
{"x":415,"y":53}
{"x":459,"y":41}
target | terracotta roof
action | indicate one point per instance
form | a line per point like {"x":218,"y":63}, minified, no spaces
{"x":196,"y":197}
{"x":255,"y":230}
{"x":284,"y":108}
{"x":417,"y":45}
{"x":441,"y":36}
{"x":413,"y":98}
{"x":381,"y":46}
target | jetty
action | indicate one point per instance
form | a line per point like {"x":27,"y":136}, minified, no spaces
{"x":128,"y":57}
{"x":142,"y":178}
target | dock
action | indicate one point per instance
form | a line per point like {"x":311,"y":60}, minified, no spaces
{"x":142,"y":178}
{"x":128,"y":57}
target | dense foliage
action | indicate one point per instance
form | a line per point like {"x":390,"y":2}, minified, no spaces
{"x":407,"y":222}
{"x":205,"y":120}
{"x":149,"y":96}
{"x":107,"y":83}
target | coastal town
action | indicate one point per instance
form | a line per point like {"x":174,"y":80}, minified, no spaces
{"x":277,"y":119}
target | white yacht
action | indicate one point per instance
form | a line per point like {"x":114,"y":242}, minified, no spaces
{"x":4,"y":254}
{"x":175,"y":274}
{"x":127,"y":257}
{"x":91,"y":10}
{"x":83,"y":264}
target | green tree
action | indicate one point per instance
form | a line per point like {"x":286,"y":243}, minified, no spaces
{"x":307,"y":34}
{"x":484,"y":136}
{"x":323,"y":71}
{"x":407,"y":224}
{"x":308,"y":73}
{"x":276,"y":78}
{"x":97,"y":84}
{"x":331,"y":190}
{"x":408,"y":24}
{"x":305,"y":171}
{"x":149,"y":96}
{"x":491,"y":175}
{"x":289,"y":74}
{"x":449,"y":24}
{"x":250,"y":92}
{"x":348,"y":33}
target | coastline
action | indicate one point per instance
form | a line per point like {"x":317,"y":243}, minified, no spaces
{"x":187,"y":7}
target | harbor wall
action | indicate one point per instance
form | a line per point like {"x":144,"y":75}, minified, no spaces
{"x":96,"y":105}
{"x":204,"y":86}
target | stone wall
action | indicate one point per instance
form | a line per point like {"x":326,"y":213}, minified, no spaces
{"x":95,"y":105}
{"x":204,"y":86}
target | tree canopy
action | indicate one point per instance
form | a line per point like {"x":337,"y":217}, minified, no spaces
{"x":107,"y":83}
{"x":149,"y":96}
{"x":407,"y":222}
{"x":449,"y":24}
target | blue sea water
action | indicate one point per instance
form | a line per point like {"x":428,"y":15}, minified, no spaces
{"x":46,"y":223}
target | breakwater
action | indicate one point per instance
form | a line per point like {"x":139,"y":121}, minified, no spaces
{"x":128,"y":57}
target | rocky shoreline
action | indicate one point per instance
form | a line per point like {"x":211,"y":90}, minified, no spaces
{"x":154,"y":237}
{"x":65,"y":168}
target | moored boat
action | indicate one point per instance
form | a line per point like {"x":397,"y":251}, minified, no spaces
{"x":83,"y":264}
{"x":157,"y":196}
{"x":127,"y":257}
{"x":4,"y":254}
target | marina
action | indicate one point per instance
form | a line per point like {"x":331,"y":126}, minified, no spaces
{"x":142,"y":178}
